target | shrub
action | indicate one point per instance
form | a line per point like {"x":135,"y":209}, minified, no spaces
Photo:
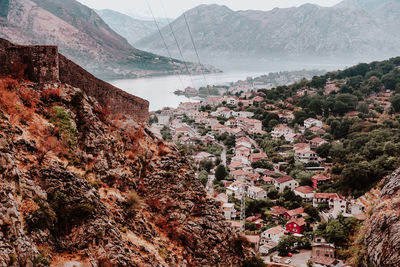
{"x":42,"y":218}
{"x":42,"y":260}
{"x":254,"y":262}
{"x":62,"y":120}
{"x":133,"y":203}
{"x":239,"y":243}
{"x":51,"y":95}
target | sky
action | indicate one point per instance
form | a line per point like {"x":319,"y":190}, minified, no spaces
{"x":174,"y":8}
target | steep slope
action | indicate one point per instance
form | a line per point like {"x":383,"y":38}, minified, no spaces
{"x":81,"y":187}
{"x":130,"y":28}
{"x":308,"y":31}
{"x":383,"y":234}
{"x":82,"y":36}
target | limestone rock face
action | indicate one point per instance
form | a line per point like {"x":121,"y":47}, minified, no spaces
{"x":383,"y":236}
{"x":79,"y":188}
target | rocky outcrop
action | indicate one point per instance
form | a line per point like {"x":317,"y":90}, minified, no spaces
{"x":383,"y":235}
{"x":77,"y":188}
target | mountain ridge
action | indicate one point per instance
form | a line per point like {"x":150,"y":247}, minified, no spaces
{"x":297,"y":33}
{"x":84,"y":37}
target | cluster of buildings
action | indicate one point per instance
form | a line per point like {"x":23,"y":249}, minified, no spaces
{"x":228,"y":116}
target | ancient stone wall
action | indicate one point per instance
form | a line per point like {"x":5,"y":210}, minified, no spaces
{"x":43,"y":64}
{"x":116,"y":99}
{"x":39,"y":63}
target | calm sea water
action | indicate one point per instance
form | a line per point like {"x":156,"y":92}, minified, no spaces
{"x":159,"y":90}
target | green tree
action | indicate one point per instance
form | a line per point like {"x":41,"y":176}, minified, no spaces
{"x":203,"y":177}
{"x":220,"y":172}
{"x":395,"y":100}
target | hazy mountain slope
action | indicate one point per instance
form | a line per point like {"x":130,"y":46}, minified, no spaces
{"x":130,"y":28}
{"x":303,"y":32}
{"x":82,"y":36}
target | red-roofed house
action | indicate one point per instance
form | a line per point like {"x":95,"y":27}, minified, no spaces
{"x":317,"y":141}
{"x":319,"y":180}
{"x":256,"y":193}
{"x":305,"y":156}
{"x":278,"y":211}
{"x":295,"y":213}
{"x":317,"y":131}
{"x":273,"y":234}
{"x":296,"y":226}
{"x":285,"y":181}
{"x":242,"y":151}
{"x":258,"y":156}
{"x":305,"y":192}
{"x":310,"y":122}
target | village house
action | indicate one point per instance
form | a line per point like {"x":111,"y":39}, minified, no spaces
{"x":235,"y":165}
{"x":278,"y":211}
{"x":310,"y":122}
{"x":236,"y":226}
{"x":317,"y":142}
{"x":268,"y":180}
{"x":186,"y":106}
{"x":222,"y":197}
{"x":203,"y":156}
{"x":185,"y":131}
{"x":295,"y":213}
{"x":256,"y":193}
{"x":242,"y":151}
{"x":239,"y":175}
{"x":237,"y":188}
{"x":258,"y":99}
{"x":243,"y":141}
{"x":316,"y":131}
{"x":273,"y":234}
{"x":222,"y":112}
{"x":243,"y":159}
{"x":282,"y":130}
{"x":285,"y":181}
{"x":296,"y":226}
{"x":320,"y":179}
{"x":305,"y":156}
{"x":229,"y":211}
{"x":245,"y":103}
{"x":212,"y":101}
{"x":232,"y":100}
{"x":267,"y":247}
{"x":231,"y":123}
{"x":258,"y":156}
{"x":323,"y":253}
{"x":305,"y":192}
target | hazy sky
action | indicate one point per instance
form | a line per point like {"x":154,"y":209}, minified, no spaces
{"x":174,"y":8}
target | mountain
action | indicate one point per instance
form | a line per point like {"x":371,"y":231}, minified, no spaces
{"x":82,"y":36}
{"x":81,"y":185}
{"x":298,"y":33}
{"x":130,"y":28}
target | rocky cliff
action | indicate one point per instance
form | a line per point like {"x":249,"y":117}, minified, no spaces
{"x":81,"y":188}
{"x":383,"y":227}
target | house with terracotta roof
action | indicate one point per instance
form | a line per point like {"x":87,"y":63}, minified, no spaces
{"x":278,"y":211}
{"x":305,"y":156}
{"x":236,"y":226}
{"x":235,"y":165}
{"x":258,"y":156}
{"x":242,"y":151}
{"x":273,"y":234}
{"x":316,"y":130}
{"x":268,"y":180}
{"x":320,"y":179}
{"x":267,"y":248}
{"x":296,"y":226}
{"x":256,"y":193}
{"x":285,"y":181}
{"x":222,"y":198}
{"x":317,"y":141}
{"x":237,"y":188}
{"x":212,"y":101}
{"x":305,"y":192}
{"x":295,"y":213}
{"x":282,"y":130}
{"x":229,"y":211}
{"x":243,"y":141}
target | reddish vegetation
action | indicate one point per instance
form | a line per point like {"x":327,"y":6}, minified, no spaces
{"x":49,"y":95}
